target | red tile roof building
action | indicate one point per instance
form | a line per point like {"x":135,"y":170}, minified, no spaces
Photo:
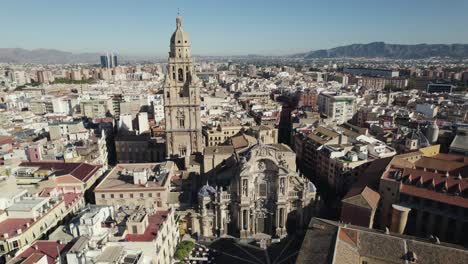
{"x":38,"y":249}
{"x":434,"y":188}
{"x":66,"y":177}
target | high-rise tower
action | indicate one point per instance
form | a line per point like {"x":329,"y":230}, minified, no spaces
{"x":181,"y":99}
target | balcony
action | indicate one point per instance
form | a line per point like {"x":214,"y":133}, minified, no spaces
{"x":294,"y":194}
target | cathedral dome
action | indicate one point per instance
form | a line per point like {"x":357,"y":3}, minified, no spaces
{"x":311,"y":187}
{"x":206,"y":191}
{"x":179,"y":37}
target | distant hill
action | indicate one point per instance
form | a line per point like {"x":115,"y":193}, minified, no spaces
{"x":45,"y":56}
{"x":395,"y":51}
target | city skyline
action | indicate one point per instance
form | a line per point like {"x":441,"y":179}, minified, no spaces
{"x":357,"y":154}
{"x":230,"y":29}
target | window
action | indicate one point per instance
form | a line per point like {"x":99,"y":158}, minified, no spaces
{"x":244,"y":219}
{"x":167,"y":93}
{"x":262,"y":189}
{"x":121,"y":195}
{"x":281,"y":217}
{"x":2,"y":248}
{"x":158,"y":204}
{"x":150,"y":195}
{"x":181,"y":75}
{"x":103,"y":196}
{"x":141,"y":195}
{"x":181,"y":123}
{"x":158,"y":195}
{"x":134,"y":229}
{"x":131,"y":195}
{"x":112,"y":195}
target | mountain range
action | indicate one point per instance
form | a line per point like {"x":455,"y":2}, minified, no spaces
{"x":370,"y":50}
{"x":45,"y":56}
{"x":393,"y":51}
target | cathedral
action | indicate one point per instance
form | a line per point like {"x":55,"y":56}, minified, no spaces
{"x":258,"y":188}
{"x":181,"y":99}
{"x":256,"y":196}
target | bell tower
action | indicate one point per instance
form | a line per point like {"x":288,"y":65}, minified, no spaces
{"x":181,"y":99}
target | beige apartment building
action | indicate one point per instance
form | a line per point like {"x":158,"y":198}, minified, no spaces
{"x":217,"y":135}
{"x":95,"y":108}
{"x":30,"y":218}
{"x":144,"y":185}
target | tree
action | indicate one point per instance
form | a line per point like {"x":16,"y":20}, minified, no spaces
{"x":183,"y":249}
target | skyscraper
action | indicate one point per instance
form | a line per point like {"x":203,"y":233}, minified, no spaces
{"x":109,"y":61}
{"x":181,"y":99}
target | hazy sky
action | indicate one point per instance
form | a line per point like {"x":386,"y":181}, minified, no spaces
{"x":219,"y":27}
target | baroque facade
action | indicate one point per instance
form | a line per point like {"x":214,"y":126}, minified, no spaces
{"x":182,"y":99}
{"x":263,"y":192}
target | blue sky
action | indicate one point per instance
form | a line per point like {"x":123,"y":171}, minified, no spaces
{"x":219,"y":27}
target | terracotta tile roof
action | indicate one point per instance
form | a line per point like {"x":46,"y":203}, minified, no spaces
{"x":11,"y":225}
{"x":71,"y":198}
{"x":81,"y":171}
{"x":6,"y":140}
{"x":154,"y":222}
{"x":349,"y":236}
{"x":434,"y":196}
{"x":49,"y":248}
{"x":439,"y":164}
{"x":450,"y":157}
{"x":365,"y":198}
{"x":34,"y":258}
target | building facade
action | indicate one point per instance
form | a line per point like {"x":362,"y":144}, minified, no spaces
{"x":146,"y":185}
{"x":339,"y":108}
{"x":263,"y":192}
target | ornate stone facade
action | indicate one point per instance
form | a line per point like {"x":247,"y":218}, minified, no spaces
{"x":264,"y":191}
{"x":182,"y":99}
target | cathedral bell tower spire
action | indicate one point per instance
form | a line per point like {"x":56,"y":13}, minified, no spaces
{"x":181,"y":98}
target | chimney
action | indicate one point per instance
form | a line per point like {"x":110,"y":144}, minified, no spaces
{"x":19,"y":231}
{"x":399,"y":218}
{"x":5,"y":235}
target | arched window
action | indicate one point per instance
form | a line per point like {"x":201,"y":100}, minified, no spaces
{"x":168,"y":95}
{"x":181,"y":75}
{"x":244,"y":219}
{"x":281,"y":217}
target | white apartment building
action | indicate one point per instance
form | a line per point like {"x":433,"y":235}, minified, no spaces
{"x":339,"y":108}
{"x":158,"y":106}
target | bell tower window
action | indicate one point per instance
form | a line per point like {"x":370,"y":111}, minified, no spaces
{"x":181,"y":75}
{"x":181,"y":123}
